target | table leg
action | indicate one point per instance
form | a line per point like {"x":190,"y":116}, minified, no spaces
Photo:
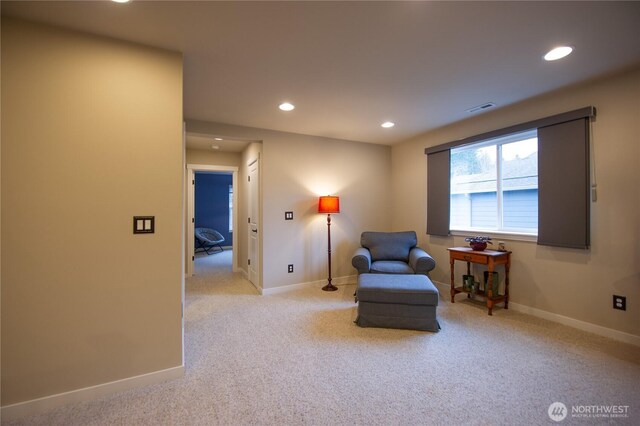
{"x":468,"y":273}
{"x":489,"y":288}
{"x":506,"y":284}
{"x":453,"y":283}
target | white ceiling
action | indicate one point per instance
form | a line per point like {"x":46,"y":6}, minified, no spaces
{"x":349,"y":66}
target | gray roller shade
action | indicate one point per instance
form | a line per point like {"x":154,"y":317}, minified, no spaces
{"x":438,"y":178}
{"x":564,"y":184}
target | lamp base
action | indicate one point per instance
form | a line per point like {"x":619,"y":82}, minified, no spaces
{"x":329,"y":287}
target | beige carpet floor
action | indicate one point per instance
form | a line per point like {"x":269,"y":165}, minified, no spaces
{"x":298,"y":358}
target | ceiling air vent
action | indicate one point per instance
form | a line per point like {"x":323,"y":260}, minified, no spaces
{"x":481,"y":107}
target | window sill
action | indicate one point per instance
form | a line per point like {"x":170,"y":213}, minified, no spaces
{"x":496,"y":235}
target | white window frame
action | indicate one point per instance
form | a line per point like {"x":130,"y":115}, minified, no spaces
{"x":510,"y":234}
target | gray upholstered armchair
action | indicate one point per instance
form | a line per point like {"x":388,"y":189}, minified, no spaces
{"x":391,"y":253}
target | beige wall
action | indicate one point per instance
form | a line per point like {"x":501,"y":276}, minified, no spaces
{"x":91,"y":136}
{"x":577,"y":284}
{"x":295,"y":170}
{"x":200,"y":156}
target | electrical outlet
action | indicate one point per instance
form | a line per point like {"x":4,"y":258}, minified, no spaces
{"x":619,"y":302}
{"x":288,"y":215}
{"x":290,"y":268}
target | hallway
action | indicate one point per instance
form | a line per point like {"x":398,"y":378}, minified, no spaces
{"x":213,"y":274}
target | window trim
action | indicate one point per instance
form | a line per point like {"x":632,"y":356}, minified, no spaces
{"x":495,"y":235}
{"x":498,"y":142}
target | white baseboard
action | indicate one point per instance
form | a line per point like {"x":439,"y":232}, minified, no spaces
{"x":561,"y":319}
{"x":581,"y":325}
{"x":40,"y":405}
{"x":349,"y":279}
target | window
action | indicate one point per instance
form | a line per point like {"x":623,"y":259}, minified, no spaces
{"x":230,"y":208}
{"x":489,"y":184}
{"x":494,"y":185}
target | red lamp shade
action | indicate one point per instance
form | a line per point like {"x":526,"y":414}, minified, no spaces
{"x":329,"y":204}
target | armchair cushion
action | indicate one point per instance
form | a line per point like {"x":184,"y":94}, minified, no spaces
{"x":391,"y":253}
{"x":389,"y":245}
{"x":390,"y":267}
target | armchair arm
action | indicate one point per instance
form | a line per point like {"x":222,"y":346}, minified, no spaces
{"x":420,"y":261}
{"x":361,"y":260}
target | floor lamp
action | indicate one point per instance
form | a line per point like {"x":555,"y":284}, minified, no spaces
{"x":328,"y":205}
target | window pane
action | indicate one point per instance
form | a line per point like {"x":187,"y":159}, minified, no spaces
{"x":520,"y":209}
{"x":484,"y":208}
{"x":520,"y":185}
{"x":473,"y":187}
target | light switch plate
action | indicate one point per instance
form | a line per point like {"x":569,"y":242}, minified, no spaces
{"x":288,"y":215}
{"x":144,"y":224}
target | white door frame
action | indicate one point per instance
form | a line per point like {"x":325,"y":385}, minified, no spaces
{"x":191,"y":169}
{"x":254,"y":200}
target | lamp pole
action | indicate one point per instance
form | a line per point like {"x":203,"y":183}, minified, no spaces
{"x":329,"y":204}
{"x":329,"y":286}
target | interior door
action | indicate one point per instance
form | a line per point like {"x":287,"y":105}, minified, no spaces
{"x":254,"y":223}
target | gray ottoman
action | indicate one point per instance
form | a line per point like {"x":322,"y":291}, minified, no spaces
{"x":397,"y":301}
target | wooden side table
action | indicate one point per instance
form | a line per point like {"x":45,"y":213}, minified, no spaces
{"x":491,"y":258}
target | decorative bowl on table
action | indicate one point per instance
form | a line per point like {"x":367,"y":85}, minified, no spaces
{"x":478,"y":243}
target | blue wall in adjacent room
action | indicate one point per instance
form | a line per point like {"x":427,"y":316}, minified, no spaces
{"x":212,"y":203}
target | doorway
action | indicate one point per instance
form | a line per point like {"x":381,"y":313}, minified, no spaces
{"x":192,"y":170}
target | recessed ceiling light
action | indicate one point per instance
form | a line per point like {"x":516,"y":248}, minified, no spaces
{"x":121,"y":1}
{"x":218,"y":139}
{"x":388,"y":124}
{"x":286,"y":106}
{"x":558,"y":53}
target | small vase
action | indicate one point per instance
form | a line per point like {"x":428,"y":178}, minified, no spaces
{"x":479,"y":246}
{"x":467,"y":281}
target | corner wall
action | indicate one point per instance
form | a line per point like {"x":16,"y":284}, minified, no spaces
{"x":566,"y":283}
{"x":91,"y":136}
